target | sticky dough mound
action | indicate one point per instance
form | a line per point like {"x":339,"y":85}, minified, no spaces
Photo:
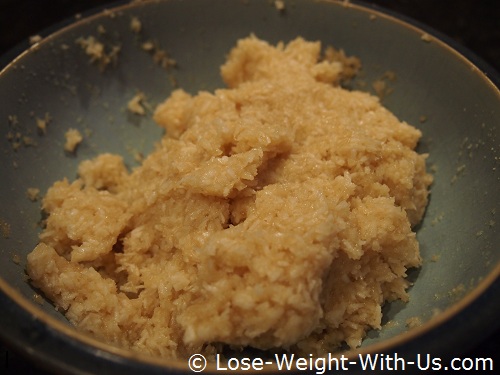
{"x":276,"y":212}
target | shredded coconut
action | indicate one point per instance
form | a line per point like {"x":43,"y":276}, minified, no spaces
{"x":276,"y":212}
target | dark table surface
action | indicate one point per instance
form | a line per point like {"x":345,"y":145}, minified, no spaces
{"x":471,"y":24}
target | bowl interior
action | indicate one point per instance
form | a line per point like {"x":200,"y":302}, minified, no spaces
{"x":435,"y":89}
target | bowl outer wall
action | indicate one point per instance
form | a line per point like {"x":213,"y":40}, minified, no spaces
{"x":459,"y":102}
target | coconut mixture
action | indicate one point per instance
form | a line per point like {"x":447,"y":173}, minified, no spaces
{"x":274,"y":213}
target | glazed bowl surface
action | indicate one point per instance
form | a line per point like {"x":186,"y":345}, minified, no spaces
{"x":452,"y":100}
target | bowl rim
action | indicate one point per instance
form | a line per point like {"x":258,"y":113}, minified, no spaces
{"x":486,"y":72}
{"x":67,"y":333}
{"x":471,"y":58}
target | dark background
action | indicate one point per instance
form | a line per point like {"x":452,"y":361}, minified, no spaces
{"x":470,"y":24}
